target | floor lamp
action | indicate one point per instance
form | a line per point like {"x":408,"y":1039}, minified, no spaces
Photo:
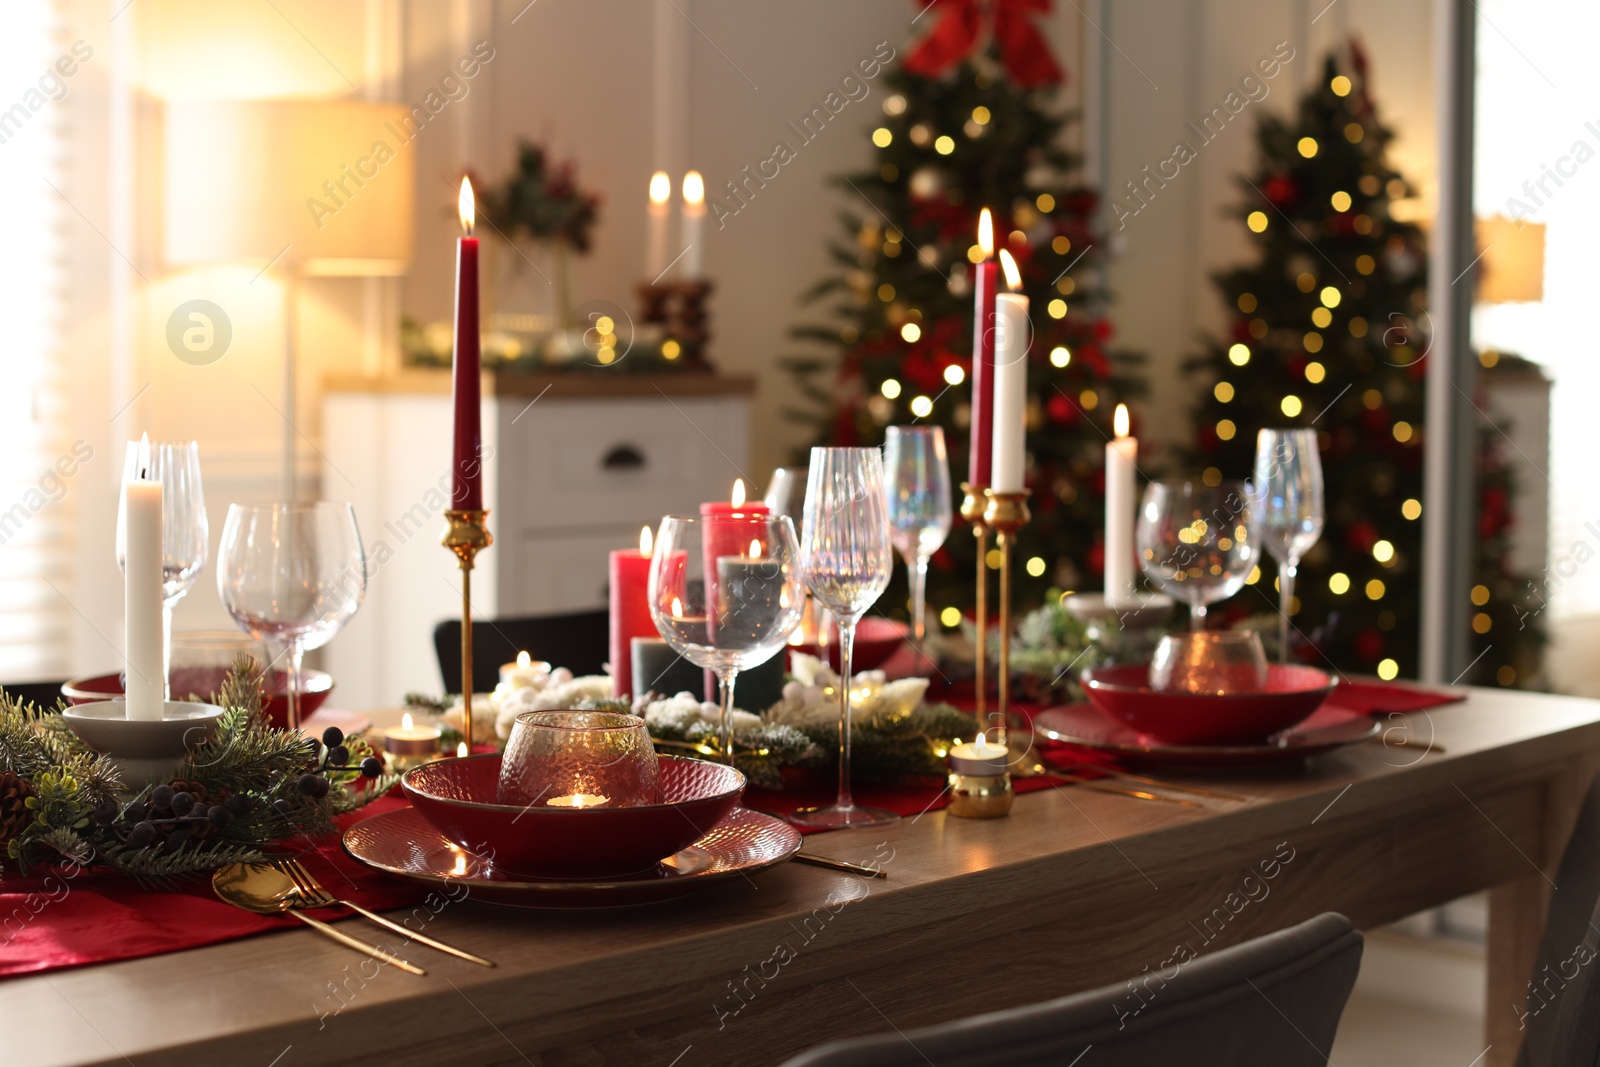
{"x":303,"y":188}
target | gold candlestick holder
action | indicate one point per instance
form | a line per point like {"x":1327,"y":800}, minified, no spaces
{"x":1005,"y":514}
{"x":972,"y":509}
{"x":466,"y":533}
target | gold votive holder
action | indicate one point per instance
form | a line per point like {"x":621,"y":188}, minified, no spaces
{"x":980,"y":796}
{"x":980,"y":783}
{"x":408,"y":745}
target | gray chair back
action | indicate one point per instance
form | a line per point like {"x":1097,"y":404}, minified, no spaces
{"x":1560,"y":1011}
{"x":1275,"y":1000}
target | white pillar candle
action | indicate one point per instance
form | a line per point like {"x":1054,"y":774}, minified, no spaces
{"x":694,"y":217}
{"x":656,"y":256}
{"x":1012,"y":336}
{"x":1122,"y":458}
{"x":146,"y":684}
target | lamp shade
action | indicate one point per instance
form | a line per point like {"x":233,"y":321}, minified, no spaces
{"x":322,"y":186}
{"x":1513,"y":261}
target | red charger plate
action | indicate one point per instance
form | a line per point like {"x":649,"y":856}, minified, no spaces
{"x":458,"y":797}
{"x":402,"y":843}
{"x":1123,"y":692}
{"x":205,"y":681}
{"x":877,"y":639}
{"x":1330,"y":727}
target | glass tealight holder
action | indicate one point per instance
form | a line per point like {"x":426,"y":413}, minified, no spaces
{"x":578,"y":759}
{"x":1210,"y":662}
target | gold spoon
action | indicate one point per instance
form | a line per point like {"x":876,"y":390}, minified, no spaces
{"x":268,"y":891}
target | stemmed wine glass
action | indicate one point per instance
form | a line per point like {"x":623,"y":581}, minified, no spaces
{"x":846,"y":556}
{"x":292,"y":575}
{"x":1286,"y":509}
{"x":920,"y":510}
{"x":724,"y":593}
{"x":185,"y":531}
{"x":1195,"y":542}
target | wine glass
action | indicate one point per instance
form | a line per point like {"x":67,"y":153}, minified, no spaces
{"x":846,"y":555}
{"x":724,"y":593}
{"x":185,"y":531}
{"x":920,"y":511}
{"x":1195,"y":542}
{"x":1286,"y":509}
{"x":292,"y":575}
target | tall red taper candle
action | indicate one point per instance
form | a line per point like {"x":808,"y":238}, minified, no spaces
{"x":467,"y":459}
{"x":630,"y":610}
{"x":985,"y":279}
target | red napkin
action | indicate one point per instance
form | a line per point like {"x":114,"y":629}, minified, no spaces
{"x":1383,"y":698}
{"x":53,"y":921}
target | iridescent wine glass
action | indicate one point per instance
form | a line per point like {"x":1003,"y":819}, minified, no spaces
{"x":920,"y":506}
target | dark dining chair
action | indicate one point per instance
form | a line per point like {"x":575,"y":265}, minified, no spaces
{"x":1275,"y":1000}
{"x":43,"y":694}
{"x":577,"y":641}
{"x":1561,"y":1013}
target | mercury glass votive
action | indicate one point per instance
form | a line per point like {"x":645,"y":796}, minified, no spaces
{"x":578,"y":759}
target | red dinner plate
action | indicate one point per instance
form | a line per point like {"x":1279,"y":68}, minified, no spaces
{"x":1330,"y":727}
{"x":404,"y":844}
{"x":877,"y":639}
{"x":1123,"y":692}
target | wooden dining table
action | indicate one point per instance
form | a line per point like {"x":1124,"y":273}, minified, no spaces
{"x":1074,"y":889}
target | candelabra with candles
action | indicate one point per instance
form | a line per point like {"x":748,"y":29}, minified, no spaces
{"x":972,"y":509}
{"x":1005,"y":513}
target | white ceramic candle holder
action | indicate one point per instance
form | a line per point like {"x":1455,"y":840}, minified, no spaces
{"x":146,"y":752}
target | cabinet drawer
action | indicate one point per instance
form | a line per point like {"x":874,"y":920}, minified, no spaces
{"x":591,"y":463}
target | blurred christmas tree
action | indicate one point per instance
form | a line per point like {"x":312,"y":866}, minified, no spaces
{"x":967,"y":124}
{"x":1329,"y":331}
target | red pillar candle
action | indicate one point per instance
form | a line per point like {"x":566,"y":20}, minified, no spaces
{"x":630,"y":610}
{"x":466,"y":461}
{"x":985,"y":278}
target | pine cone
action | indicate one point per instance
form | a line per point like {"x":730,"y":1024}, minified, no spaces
{"x":15,"y":816}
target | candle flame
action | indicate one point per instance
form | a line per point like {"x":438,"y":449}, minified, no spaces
{"x":461,"y":750}
{"x":677,"y":608}
{"x":1009,"y":266}
{"x":646,"y":541}
{"x":660,"y":187}
{"x":1119,"y":422}
{"x":755,"y":548}
{"x":738,"y":493}
{"x":406,"y":723}
{"x":143,"y":456}
{"x":983,"y":739}
{"x":524,"y":661}
{"x":986,"y":232}
{"x":694,"y":188}
{"x":466,"y":206}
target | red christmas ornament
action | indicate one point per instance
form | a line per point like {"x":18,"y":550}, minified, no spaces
{"x":1280,"y":189}
{"x":1369,"y":644}
{"x":1361,"y":535}
{"x":1060,"y":409}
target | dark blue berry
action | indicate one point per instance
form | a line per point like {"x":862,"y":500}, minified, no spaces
{"x":320,"y":789}
{"x":105,"y":813}
{"x":219,"y":817}
{"x":333,"y":737}
{"x":371,"y":767}
{"x":283,"y":808}
{"x":307,"y":784}
{"x":143,"y":835}
{"x":177,"y":839}
{"x":338,"y":754}
{"x":237,"y":804}
{"x":182,"y":803}
{"x":161,"y":796}
{"x":199,"y":811}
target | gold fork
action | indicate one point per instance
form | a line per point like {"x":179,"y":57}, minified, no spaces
{"x":313,"y":895}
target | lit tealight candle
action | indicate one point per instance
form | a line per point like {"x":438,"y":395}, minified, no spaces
{"x":578,"y":800}
{"x":980,"y":757}
{"x":409,"y":744}
{"x":461,"y":750}
{"x":525,"y":672}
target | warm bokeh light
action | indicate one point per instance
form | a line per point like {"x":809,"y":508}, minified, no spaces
{"x":1388,"y":670}
{"x":660,"y":187}
{"x":954,"y":374}
{"x":890,"y":389}
{"x":1239,"y":354}
{"x":911,"y":333}
{"x":694,"y":188}
{"x":922,"y":407}
{"x":1060,"y":356}
{"x":1338,"y":583}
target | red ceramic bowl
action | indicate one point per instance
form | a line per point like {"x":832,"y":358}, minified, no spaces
{"x":1124,"y":693}
{"x":204,"y":682}
{"x":877,"y":639}
{"x":458,"y":796}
